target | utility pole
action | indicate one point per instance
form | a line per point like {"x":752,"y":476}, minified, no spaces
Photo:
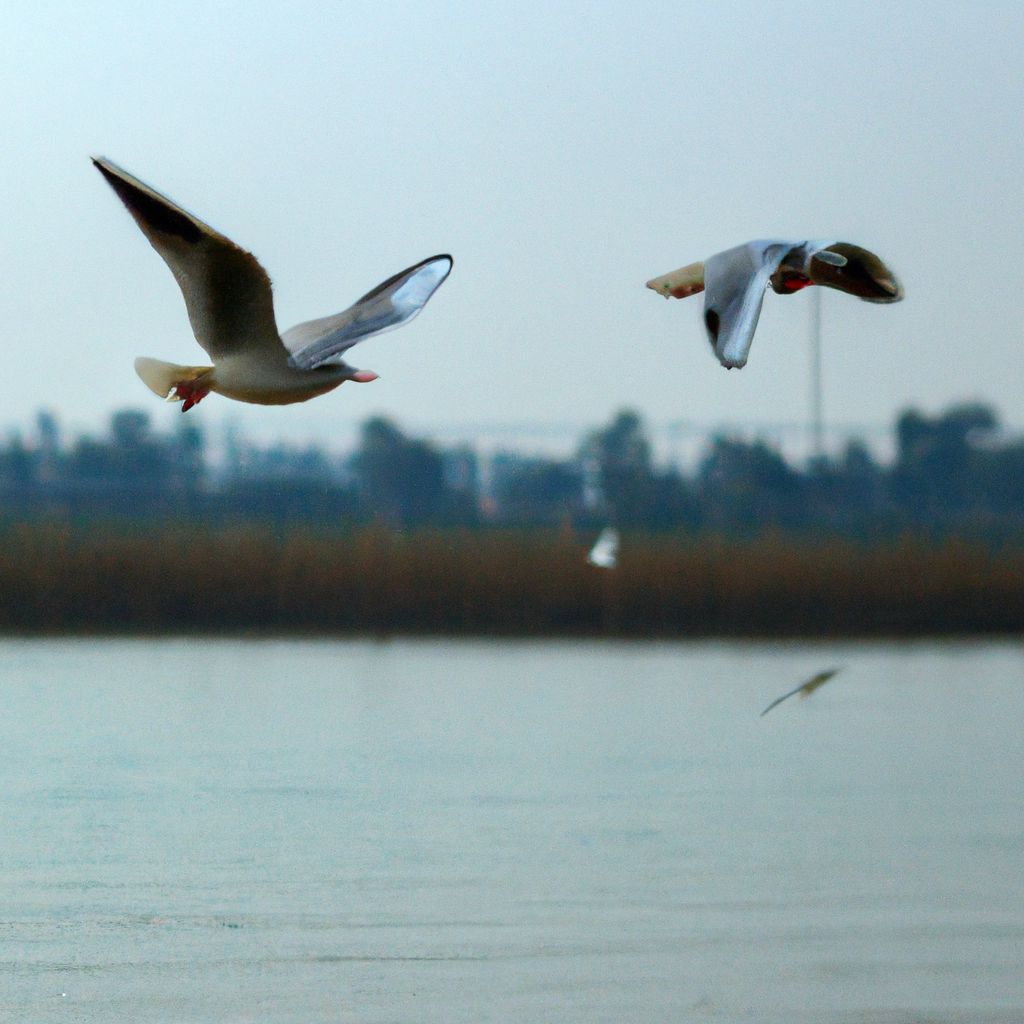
{"x":817,"y":424}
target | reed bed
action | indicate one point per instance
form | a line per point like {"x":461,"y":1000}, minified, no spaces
{"x":57,"y":579}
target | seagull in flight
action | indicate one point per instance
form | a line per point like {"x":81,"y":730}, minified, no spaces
{"x":230,"y":306}
{"x":605,"y":552}
{"x":804,"y":689}
{"x":734,"y":283}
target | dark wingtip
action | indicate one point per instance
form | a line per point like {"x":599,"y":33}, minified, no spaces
{"x":713,"y":323}
{"x":108,"y":168}
{"x":441,"y":256}
{"x":113,"y":179}
{"x":146,"y":206}
{"x":103,"y":165}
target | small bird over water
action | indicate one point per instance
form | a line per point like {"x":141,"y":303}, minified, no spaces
{"x":605,"y":552}
{"x":804,"y":689}
{"x":734,"y":283}
{"x":231,"y":309}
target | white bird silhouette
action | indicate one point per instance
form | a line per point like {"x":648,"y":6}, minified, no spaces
{"x":734,"y":283}
{"x":605,"y":552}
{"x":231,"y":309}
{"x":804,"y":689}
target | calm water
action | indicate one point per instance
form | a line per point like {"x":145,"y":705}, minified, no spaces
{"x":537,"y":832}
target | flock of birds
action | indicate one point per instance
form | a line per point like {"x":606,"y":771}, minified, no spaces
{"x":230,"y":306}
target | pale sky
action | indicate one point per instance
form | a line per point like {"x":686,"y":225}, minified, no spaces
{"x":564,"y":154}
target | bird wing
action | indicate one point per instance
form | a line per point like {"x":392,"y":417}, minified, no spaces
{"x":605,"y":552}
{"x":227,"y":293}
{"x":804,"y":689}
{"x":855,"y":270}
{"x":734,"y":286}
{"x":393,"y":303}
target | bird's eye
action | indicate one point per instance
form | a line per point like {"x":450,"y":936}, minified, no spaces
{"x":712,"y":321}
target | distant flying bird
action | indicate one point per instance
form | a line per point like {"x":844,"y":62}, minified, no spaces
{"x":605,"y":552}
{"x":231,"y":309}
{"x":804,"y":689}
{"x":734,"y":283}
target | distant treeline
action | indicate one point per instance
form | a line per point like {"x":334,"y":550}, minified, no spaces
{"x":954,"y":474}
{"x":261,"y":580}
{"x":139,"y":532}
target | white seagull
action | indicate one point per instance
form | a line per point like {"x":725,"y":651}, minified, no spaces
{"x":605,"y":552}
{"x":804,"y":689}
{"x":231,"y":309}
{"x":734,"y":283}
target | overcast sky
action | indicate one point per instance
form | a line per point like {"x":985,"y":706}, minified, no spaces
{"x":563,"y":153}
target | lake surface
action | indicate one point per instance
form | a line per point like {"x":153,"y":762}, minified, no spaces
{"x":230,"y":831}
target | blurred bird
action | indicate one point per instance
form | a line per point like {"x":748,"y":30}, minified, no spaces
{"x":231,"y":309}
{"x":804,"y":689}
{"x":605,"y":552}
{"x":734,"y":283}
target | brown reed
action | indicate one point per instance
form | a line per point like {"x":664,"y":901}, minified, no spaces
{"x":59,"y":579}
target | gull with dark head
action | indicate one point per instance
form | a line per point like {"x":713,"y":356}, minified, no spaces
{"x":231,"y":309}
{"x":734,"y":283}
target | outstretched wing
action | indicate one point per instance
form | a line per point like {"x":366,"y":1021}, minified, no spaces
{"x":855,"y":270}
{"x":227,"y":292}
{"x":734,"y":286}
{"x":393,"y":303}
{"x":804,"y":689}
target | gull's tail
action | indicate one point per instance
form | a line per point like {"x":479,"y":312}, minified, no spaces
{"x":688,"y":280}
{"x":169,"y":380}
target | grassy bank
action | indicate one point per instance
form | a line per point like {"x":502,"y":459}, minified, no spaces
{"x":59,"y":580}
